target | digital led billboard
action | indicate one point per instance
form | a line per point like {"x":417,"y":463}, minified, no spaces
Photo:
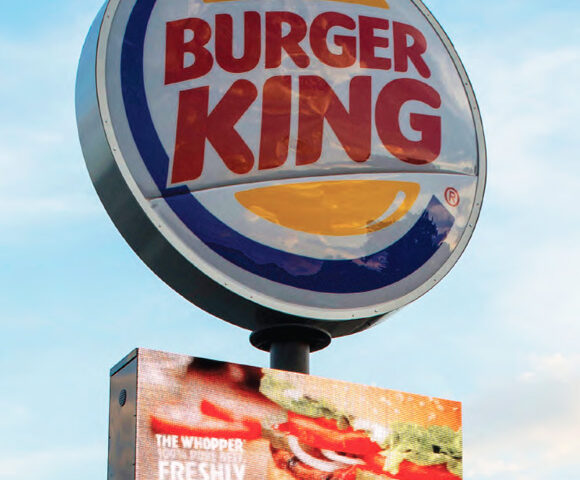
{"x":176,"y":417}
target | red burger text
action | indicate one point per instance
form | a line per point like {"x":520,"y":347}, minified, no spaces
{"x":285,"y":34}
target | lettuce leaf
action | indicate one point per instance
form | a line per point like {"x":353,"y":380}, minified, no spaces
{"x":434,"y":445}
{"x":285,"y":394}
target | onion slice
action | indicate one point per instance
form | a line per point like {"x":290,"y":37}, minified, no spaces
{"x":309,"y":460}
{"x":341,"y":458}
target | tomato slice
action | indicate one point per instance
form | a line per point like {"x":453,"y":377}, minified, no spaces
{"x":324,"y":434}
{"x":375,"y":463}
{"x":410,"y":471}
{"x":212,"y":410}
{"x":217,"y":422}
{"x":247,"y":429}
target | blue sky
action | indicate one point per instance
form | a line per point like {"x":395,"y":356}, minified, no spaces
{"x":500,"y":333}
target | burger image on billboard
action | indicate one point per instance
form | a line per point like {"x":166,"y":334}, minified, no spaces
{"x":320,"y":159}
{"x":317,"y":440}
{"x":198,"y":419}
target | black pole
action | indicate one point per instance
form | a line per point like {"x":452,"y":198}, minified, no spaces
{"x":290,"y":345}
{"x":290,"y":356}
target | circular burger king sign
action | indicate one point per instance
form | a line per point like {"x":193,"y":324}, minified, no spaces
{"x":323,"y":159}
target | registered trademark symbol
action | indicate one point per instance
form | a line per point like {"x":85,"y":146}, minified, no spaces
{"x":452,"y":197}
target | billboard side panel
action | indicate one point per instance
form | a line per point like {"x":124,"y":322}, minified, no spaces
{"x":122,"y":421}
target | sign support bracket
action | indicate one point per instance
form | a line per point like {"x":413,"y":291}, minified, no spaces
{"x":290,"y":345}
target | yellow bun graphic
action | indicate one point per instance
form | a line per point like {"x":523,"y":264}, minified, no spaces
{"x":340,"y":207}
{"x":368,"y":3}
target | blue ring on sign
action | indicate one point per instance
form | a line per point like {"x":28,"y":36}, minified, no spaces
{"x":372,"y":272}
{"x":364,"y":274}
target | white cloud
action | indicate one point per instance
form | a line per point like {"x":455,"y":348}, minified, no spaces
{"x":530,"y":108}
{"x":557,"y":366}
{"x":487,"y":467}
{"x":528,"y":427}
{"x":13,"y":415}
{"x":49,"y":463}
{"x":23,"y":210}
{"x":522,"y":422}
{"x":528,"y":103}
{"x":537,"y":298}
{"x":42,"y":174}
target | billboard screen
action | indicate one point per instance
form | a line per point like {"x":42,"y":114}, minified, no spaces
{"x":199,"y":419}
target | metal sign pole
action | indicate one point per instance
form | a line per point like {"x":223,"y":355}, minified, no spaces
{"x":290,"y":345}
{"x":290,"y":356}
